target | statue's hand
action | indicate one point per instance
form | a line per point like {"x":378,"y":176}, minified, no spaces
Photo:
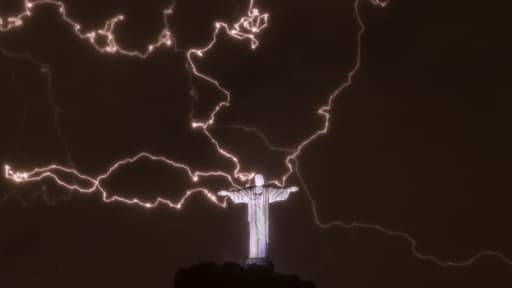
{"x":223,"y":193}
{"x":293,"y":189}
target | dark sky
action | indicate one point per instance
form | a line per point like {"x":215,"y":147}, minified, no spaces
{"x":420,"y":143}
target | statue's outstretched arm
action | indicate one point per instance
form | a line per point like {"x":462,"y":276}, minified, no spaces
{"x":281,"y":194}
{"x":235,"y":196}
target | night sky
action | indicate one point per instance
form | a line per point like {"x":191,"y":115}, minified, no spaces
{"x":419,"y":143}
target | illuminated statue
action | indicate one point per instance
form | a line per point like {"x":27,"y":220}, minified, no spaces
{"x":257,"y":199}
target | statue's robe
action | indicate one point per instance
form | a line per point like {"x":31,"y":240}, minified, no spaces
{"x":257,"y":199}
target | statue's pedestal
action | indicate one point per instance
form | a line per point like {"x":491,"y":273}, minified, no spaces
{"x":259,"y":262}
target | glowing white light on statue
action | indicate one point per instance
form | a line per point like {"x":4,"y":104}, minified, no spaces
{"x":258,"y":199}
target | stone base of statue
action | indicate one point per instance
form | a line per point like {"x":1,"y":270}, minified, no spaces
{"x":259,"y":262}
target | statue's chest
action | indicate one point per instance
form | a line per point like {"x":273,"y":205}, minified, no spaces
{"x":258,"y":197}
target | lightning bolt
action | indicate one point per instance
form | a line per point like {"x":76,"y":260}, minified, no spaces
{"x":324,"y":111}
{"x":55,"y":109}
{"x":246,"y":29}
{"x":94,"y":184}
{"x":413,"y":244}
{"x":94,"y":37}
{"x":258,"y":133}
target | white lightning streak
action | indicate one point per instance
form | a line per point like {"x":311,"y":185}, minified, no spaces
{"x":412,"y":242}
{"x":94,"y":184}
{"x":94,"y":36}
{"x":260,"y":134}
{"x":324,"y":111}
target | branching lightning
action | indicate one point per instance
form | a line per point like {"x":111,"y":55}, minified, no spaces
{"x":94,"y":37}
{"x":246,"y":29}
{"x":260,"y":134}
{"x":412,"y":242}
{"x":324,"y":111}
{"x":94,"y":184}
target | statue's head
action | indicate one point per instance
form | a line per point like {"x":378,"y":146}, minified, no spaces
{"x":259,"y":180}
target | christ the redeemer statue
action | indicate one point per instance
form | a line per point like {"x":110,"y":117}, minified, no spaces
{"x":257,"y":199}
